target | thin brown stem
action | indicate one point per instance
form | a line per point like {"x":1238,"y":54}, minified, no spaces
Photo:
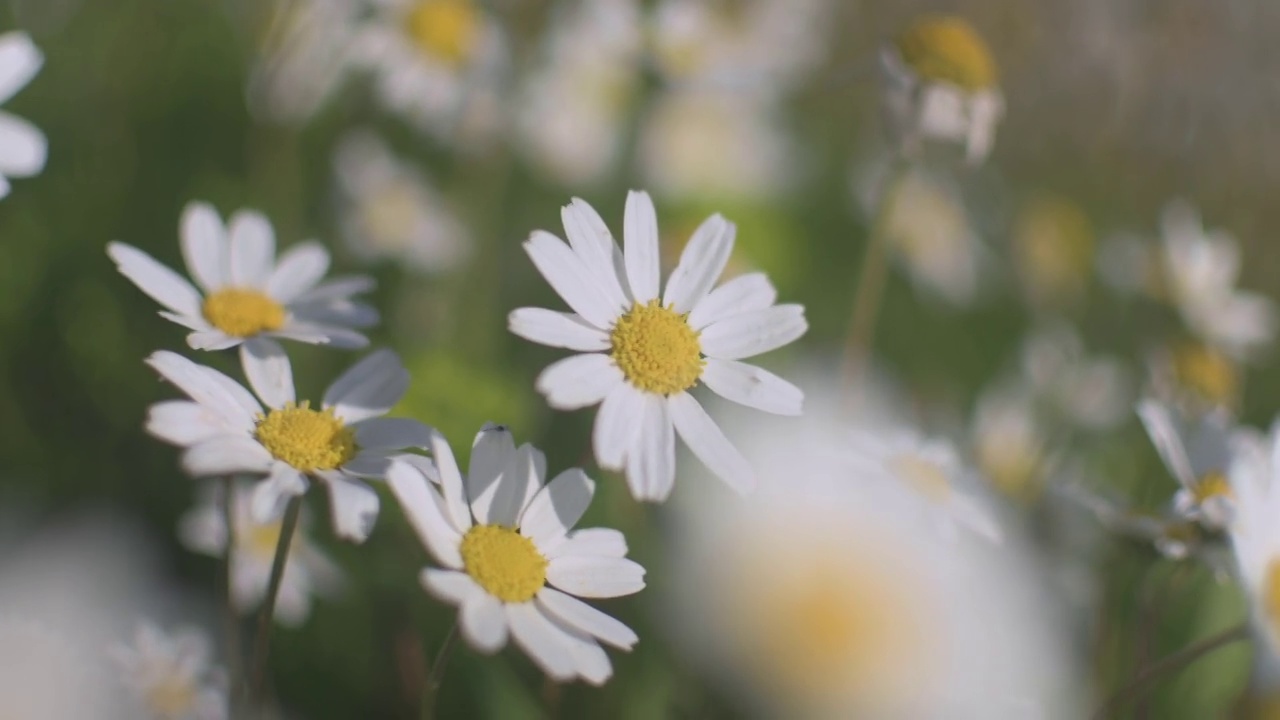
{"x":262,"y":640}
{"x":435,"y":676}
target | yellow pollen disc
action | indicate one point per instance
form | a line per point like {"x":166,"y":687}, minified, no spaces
{"x":946,"y":48}
{"x":1212,"y":485}
{"x":444,"y":29}
{"x":926,"y":477}
{"x":241,"y":312}
{"x":1271,"y":597}
{"x":171,"y":699}
{"x":503,"y":562}
{"x":306,"y":439}
{"x":656,"y":349}
{"x":1207,"y":373}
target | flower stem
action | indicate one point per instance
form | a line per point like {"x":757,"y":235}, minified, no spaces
{"x":231,"y":621}
{"x":435,"y":676}
{"x":871,"y":282}
{"x":1167,"y":665}
{"x":262,"y":640}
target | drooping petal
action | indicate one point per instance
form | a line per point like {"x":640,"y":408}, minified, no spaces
{"x":752,"y":386}
{"x":1166,"y":435}
{"x":226,"y":454}
{"x":425,"y":510}
{"x":252,"y":243}
{"x":266,"y":366}
{"x":483,"y":622}
{"x":744,"y":293}
{"x":595,"y":576}
{"x":299,"y":269}
{"x":701,"y":264}
{"x":321,"y":334}
{"x":651,"y":463}
{"x":353,"y":506}
{"x":709,"y":444}
{"x":369,"y":389}
{"x":752,"y":333}
{"x":640,"y":246}
{"x":556,"y":508}
{"x":163,"y":285}
{"x":579,"y":381}
{"x":615,"y":427}
{"x":584,"y":618}
{"x":204,"y":245}
{"x":393,"y":433}
{"x":572,"y":280}
{"x":541,"y":640}
{"x":557,"y":329}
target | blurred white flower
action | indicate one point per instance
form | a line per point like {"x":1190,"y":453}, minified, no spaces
{"x":1198,"y":453}
{"x":1053,"y":247}
{"x":224,"y":430}
{"x":1195,"y":377}
{"x":308,"y":571}
{"x":23,"y":148}
{"x":1091,"y":392}
{"x":641,"y":352}
{"x":305,"y":54}
{"x":1201,"y":269}
{"x":172,"y":675}
{"x":507,"y":543}
{"x":391,"y":211}
{"x":1010,"y":443}
{"x":941,"y":84}
{"x":249,"y":297}
{"x":1172,"y":535}
{"x":1255,"y":540}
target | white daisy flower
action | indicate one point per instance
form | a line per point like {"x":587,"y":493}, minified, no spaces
{"x":23,"y":148}
{"x":173,"y":675}
{"x":1202,"y":268}
{"x":1255,"y":540}
{"x":307,"y":573}
{"x":1198,"y":454}
{"x":244,"y":293}
{"x":1195,"y":377}
{"x":225,"y":430}
{"x":1010,"y":443}
{"x":391,"y":211}
{"x":1092,"y":392}
{"x":513,"y":563}
{"x":941,"y":84}
{"x":642,"y":352}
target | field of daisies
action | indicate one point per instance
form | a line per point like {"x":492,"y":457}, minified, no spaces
{"x":637,"y":359}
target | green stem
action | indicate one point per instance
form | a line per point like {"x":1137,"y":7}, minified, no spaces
{"x":266,"y":617}
{"x":435,"y":676}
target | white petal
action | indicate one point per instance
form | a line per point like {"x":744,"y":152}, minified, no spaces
{"x":651,"y":463}
{"x":208,"y":387}
{"x":584,"y":618}
{"x":339,"y":288}
{"x":556,"y":508}
{"x":299,"y":269}
{"x":23,"y":148}
{"x":492,"y":454}
{"x":394,"y":433}
{"x":752,"y":386}
{"x":354,"y":507}
{"x":590,"y":661}
{"x":184,"y":423}
{"x":20,"y":60}
{"x":700,"y":264}
{"x":605,"y":542}
{"x":425,"y":511}
{"x":267,"y":368}
{"x":369,"y":463}
{"x":572,"y":280}
{"x":226,"y":454}
{"x":1167,"y":437}
{"x":591,"y":242}
{"x":615,"y":426}
{"x":369,"y":389}
{"x":744,"y":293}
{"x":244,"y":399}
{"x":340,"y":313}
{"x":204,"y":245}
{"x":191,"y":322}
{"x":266,"y":504}
{"x":509,"y":496}
{"x":709,"y":444}
{"x":640,"y":244}
{"x":320,"y":334}
{"x":557,"y":329}
{"x":212,"y":340}
{"x":541,"y":640}
{"x":747,"y":334}
{"x":5,"y":187}
{"x":455,"y":499}
{"x":483,"y":622}
{"x":578,"y":381}
{"x":163,"y":285}
{"x":252,"y":243}
{"x":595,"y":576}
{"x":450,"y":586}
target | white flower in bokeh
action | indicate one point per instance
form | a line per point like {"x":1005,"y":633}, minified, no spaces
{"x":224,"y":430}
{"x":941,"y":84}
{"x":308,"y":572}
{"x":513,"y":562}
{"x":247,"y":297}
{"x":641,"y":352}
{"x":23,"y":148}
{"x":1201,"y":269}
{"x":391,"y":211}
{"x":1198,"y":453}
{"x":1010,"y":443}
{"x":304,"y":56}
{"x":1092,"y":392}
{"x":1255,"y":541}
{"x":172,"y":675}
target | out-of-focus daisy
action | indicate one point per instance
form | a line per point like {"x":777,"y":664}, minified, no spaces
{"x":1198,"y":454}
{"x":1010,"y":443}
{"x":225,"y":430}
{"x":642,"y":352}
{"x":1093,"y":392}
{"x":1255,"y":541}
{"x":435,"y":61}
{"x":391,"y":211}
{"x":305,"y":53}
{"x":172,"y":675}
{"x":1201,"y":270}
{"x":941,"y":84}
{"x":23,"y":148}
{"x":308,"y":572}
{"x":245,"y":294}
{"x":1053,"y":245}
{"x":1195,"y":377}
{"x":512,"y":562}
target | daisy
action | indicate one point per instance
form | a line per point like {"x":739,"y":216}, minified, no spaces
{"x":247,"y":297}
{"x":941,"y":84}
{"x":1089,"y":391}
{"x":642,"y":352}
{"x":1198,"y":454}
{"x":1255,"y":539}
{"x":23,"y":148}
{"x":225,"y":430}
{"x":512,"y":562}
{"x":1054,"y":248}
{"x":1010,"y":443}
{"x":1195,"y":377}
{"x":391,"y":211}
{"x":172,"y":675}
{"x":308,"y":571}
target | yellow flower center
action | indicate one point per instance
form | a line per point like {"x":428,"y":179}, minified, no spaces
{"x":1207,"y":373}
{"x":946,"y":48}
{"x":171,"y":699}
{"x":306,"y":439}
{"x":1271,"y":597}
{"x":926,"y":477}
{"x":1212,"y":485}
{"x":242,"y":312}
{"x":444,"y":29}
{"x":656,"y":349}
{"x":505,"y":563}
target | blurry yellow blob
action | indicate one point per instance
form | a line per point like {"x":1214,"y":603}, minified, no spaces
{"x":242,"y":312}
{"x":1210,"y":486}
{"x":1054,"y":245}
{"x":926,"y":477}
{"x":946,"y":48}
{"x":444,"y":29}
{"x":656,"y":349}
{"x":1206,"y":373}
{"x":1271,"y":598}
{"x":503,"y":562}
{"x":306,"y":439}
{"x":173,"y":698}
{"x":391,"y":215}
{"x":259,"y":539}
